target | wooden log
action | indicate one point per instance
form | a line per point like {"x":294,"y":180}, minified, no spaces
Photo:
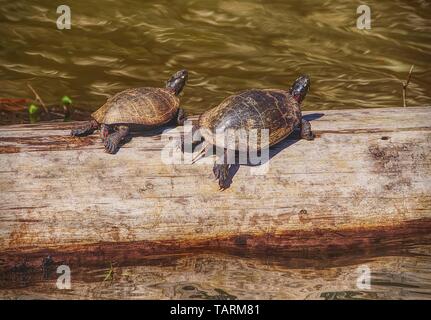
{"x":364,"y":181}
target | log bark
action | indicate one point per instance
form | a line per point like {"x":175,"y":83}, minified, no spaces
{"x":364,"y":181}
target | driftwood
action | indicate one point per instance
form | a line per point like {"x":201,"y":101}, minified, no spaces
{"x":365,"y":181}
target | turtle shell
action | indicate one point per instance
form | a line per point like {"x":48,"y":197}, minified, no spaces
{"x":270,"y":109}
{"x":142,"y":106}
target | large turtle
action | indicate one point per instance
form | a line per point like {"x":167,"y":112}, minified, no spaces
{"x":273,"y":109}
{"x":136,"y":109}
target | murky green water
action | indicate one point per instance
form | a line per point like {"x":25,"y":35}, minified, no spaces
{"x":227,"y":46}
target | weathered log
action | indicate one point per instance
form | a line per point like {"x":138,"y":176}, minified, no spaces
{"x":364,"y":181}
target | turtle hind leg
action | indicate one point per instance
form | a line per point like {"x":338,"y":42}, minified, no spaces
{"x":306,"y":132}
{"x":86,"y":129}
{"x":221,"y":173}
{"x":114,"y":139}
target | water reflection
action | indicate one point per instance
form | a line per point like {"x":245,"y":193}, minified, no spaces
{"x":406,"y":275}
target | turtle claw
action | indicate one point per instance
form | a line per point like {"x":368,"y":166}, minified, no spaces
{"x":85,"y":130}
{"x":113,"y":140}
{"x":306,"y":132}
{"x":75,"y":132}
{"x":111,"y":145}
{"x":80,"y":132}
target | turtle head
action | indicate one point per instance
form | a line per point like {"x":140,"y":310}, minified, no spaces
{"x":178,"y":81}
{"x":300,"y":88}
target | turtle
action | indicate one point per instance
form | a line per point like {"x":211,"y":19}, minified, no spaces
{"x":277,"y":110}
{"x":136,"y":109}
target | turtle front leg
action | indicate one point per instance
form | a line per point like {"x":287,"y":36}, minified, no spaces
{"x":113,"y":140}
{"x":306,"y":132}
{"x":86,"y":129}
{"x":104,"y":131}
{"x":181,"y":117}
{"x":221,"y":172}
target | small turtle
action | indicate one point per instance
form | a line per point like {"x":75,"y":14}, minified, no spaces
{"x":273,"y":109}
{"x":136,"y":109}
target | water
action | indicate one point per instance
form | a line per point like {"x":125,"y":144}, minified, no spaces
{"x":401,"y":274}
{"x":227,"y":46}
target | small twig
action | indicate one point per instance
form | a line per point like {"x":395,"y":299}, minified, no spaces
{"x":60,"y":115}
{"x":405,"y":84}
{"x":110,"y":274}
{"x":38,"y":98}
